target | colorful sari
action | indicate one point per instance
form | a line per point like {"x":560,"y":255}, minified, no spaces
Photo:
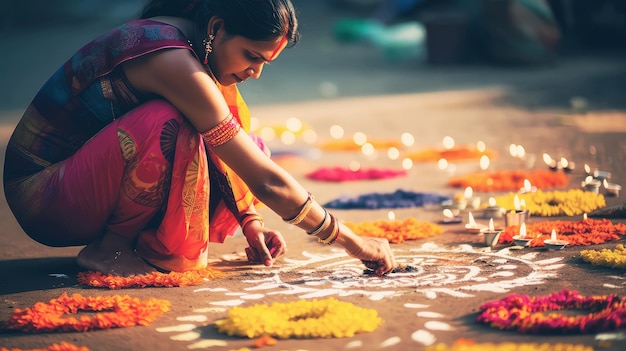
{"x":91,"y":155}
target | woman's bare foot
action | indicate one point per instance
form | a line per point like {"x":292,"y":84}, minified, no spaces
{"x":113,"y":254}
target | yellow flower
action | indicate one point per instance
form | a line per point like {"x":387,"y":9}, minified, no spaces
{"x":301,"y":319}
{"x":555,"y":203}
{"x":608,"y":258}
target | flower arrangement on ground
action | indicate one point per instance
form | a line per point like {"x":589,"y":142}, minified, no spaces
{"x":302,"y":319}
{"x":536,"y":315}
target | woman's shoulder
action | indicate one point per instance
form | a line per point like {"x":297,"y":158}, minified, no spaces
{"x":152,"y":29}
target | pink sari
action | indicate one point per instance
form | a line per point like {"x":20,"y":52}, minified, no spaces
{"x":71,"y":175}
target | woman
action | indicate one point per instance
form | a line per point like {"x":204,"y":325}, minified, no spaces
{"x":137,"y":147}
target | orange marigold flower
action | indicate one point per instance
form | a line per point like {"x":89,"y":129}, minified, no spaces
{"x":154,"y":279}
{"x":111,"y":312}
{"x":264,"y":340}
{"x":458,"y":153}
{"x":583,"y":232}
{"x":63,"y":346}
{"x":396,"y":231}
{"x":510,"y":180}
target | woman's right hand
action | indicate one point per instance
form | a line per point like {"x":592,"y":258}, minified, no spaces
{"x":375,"y":253}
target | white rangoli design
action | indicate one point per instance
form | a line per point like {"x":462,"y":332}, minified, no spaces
{"x":430,"y":270}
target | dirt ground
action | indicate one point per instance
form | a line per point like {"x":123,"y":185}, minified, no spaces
{"x":437,"y":303}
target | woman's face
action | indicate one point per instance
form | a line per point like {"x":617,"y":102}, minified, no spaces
{"x":235,"y":58}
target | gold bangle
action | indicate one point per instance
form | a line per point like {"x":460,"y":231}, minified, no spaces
{"x":322,"y":224}
{"x":334,"y":234}
{"x":303,"y":213}
{"x":251,"y":217}
{"x":223,"y":132}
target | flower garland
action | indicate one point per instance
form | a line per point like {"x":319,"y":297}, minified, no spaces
{"x":526,"y":314}
{"x":396,"y":231}
{"x":458,"y":153}
{"x":583,"y":232}
{"x":471,"y":345}
{"x":555,"y":203}
{"x":154,"y":279}
{"x":342,"y":174}
{"x":122,"y":311}
{"x":328,"y":318}
{"x":397,"y":199}
{"x":350,"y":145}
{"x":63,"y":346}
{"x":509,"y":180}
{"x":607,"y":258}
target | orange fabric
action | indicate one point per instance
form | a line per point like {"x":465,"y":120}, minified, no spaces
{"x":223,"y":222}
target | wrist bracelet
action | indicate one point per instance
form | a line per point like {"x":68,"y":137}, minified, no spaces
{"x":322,"y":225}
{"x":333,"y":234}
{"x":303,"y":213}
{"x":251,"y":217}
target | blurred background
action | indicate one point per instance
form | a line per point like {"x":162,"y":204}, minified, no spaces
{"x":549,"y":52}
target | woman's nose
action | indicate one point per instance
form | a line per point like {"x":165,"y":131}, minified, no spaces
{"x":255,"y":72}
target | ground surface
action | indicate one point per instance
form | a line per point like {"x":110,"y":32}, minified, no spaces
{"x":438,"y":303}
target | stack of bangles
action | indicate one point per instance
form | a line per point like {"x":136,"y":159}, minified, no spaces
{"x":327,"y":231}
{"x":249,"y":217}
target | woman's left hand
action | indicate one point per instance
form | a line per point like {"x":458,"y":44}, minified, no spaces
{"x":265,"y":244}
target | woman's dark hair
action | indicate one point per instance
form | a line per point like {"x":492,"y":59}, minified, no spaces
{"x":261,"y":20}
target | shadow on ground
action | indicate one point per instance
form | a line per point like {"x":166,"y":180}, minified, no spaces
{"x":36,"y":274}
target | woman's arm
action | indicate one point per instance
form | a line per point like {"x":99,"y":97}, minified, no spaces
{"x":178,"y":77}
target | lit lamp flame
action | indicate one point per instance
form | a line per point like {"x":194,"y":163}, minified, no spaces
{"x":367,"y":149}
{"x":527,"y":186}
{"x":491,"y":227}
{"x":513,"y":150}
{"x":549,"y":161}
{"x":336,"y":132}
{"x":407,"y":163}
{"x":587,"y":169}
{"x":448,"y":213}
{"x":492,"y":202}
{"x":521,"y":152}
{"x":442,"y":164}
{"x":359,"y":138}
{"x":481,"y":147}
{"x":448,"y":142}
{"x":516,"y":203}
{"x":471,"y":222}
{"x":585,"y":216}
{"x":407,"y":139}
{"x":564,"y":162}
{"x":293,"y":124}
{"x":393,"y":153}
{"x":391,"y":215}
{"x":553,"y":234}
{"x":522,"y":230}
{"x":468,"y":193}
{"x":484,"y":162}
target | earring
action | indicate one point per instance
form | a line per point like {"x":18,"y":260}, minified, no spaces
{"x":208,"y":47}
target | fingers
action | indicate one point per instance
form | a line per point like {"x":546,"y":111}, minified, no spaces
{"x":265,"y":248}
{"x":381,"y":260}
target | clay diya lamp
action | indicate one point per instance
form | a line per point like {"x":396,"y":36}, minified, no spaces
{"x":493,"y":210}
{"x":473,"y":227}
{"x":553,"y":243}
{"x":521,"y":239}
{"x":517,"y":216}
{"x":491,"y":235}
